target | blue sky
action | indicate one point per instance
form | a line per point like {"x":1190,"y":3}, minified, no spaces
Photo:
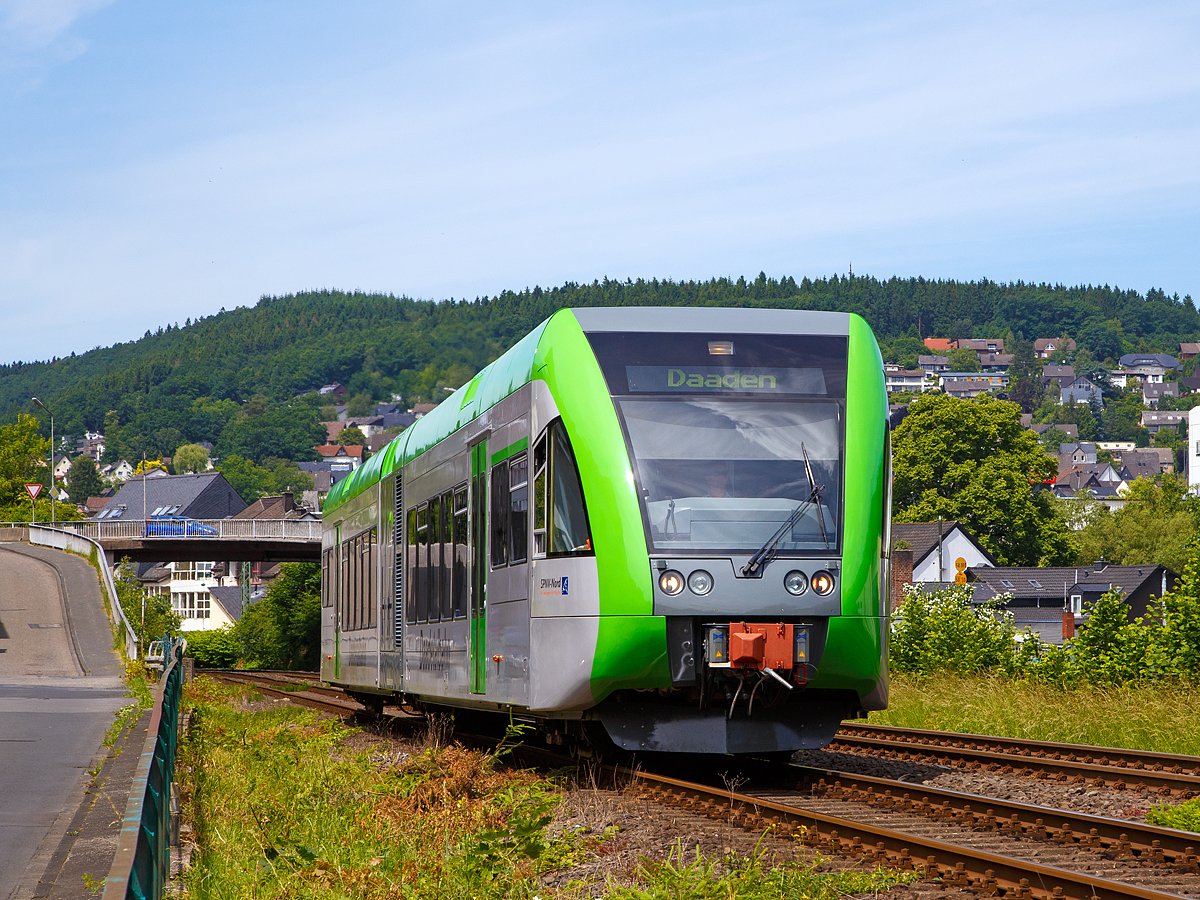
{"x":159,"y":161}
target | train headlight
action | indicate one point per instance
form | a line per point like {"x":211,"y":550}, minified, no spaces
{"x":700,"y":582}
{"x":822,"y":583}
{"x":795,"y":582}
{"x":670,"y":582}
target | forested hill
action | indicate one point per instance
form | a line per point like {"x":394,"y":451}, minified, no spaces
{"x":380,"y":345}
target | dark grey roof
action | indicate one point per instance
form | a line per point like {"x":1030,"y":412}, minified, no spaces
{"x":927,"y":361}
{"x":1069,"y":430}
{"x":206,"y":495}
{"x":230,"y":599}
{"x":1140,"y":465}
{"x":1020,"y":580}
{"x":923,"y":537}
{"x":1149,"y":359}
{"x":1057,"y":581}
{"x":1166,"y":389}
{"x":397,"y":419}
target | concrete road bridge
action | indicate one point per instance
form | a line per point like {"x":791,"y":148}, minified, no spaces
{"x":183,"y":540}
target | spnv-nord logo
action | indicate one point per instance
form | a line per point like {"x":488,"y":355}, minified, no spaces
{"x":549,"y":584}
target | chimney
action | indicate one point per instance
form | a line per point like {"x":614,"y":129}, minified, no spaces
{"x":288,"y":504}
{"x":1068,"y":624}
{"x":902,"y":574}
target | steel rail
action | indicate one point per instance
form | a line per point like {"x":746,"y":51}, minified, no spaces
{"x":1116,"y":756}
{"x":1097,"y":774}
{"x":956,"y":865}
{"x":301,"y":698}
{"x":1124,"y":837}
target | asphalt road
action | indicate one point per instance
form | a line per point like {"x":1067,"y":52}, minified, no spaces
{"x":60,"y":685}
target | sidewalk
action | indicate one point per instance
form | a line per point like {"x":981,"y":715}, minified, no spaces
{"x":80,"y":847}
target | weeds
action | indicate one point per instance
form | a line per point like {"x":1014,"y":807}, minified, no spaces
{"x":282,"y":805}
{"x":1184,"y":816}
{"x":749,"y":878}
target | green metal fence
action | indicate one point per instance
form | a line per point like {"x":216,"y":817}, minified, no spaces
{"x":142,"y":865}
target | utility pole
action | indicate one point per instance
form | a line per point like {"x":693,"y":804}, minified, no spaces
{"x":53,"y":507}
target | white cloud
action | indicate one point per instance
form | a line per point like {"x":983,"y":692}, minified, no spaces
{"x":37,"y":23}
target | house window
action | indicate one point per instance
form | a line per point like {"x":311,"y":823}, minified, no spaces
{"x":1077,"y":603}
{"x":1036,"y":584}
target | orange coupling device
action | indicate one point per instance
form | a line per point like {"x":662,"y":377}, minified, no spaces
{"x":761,"y":646}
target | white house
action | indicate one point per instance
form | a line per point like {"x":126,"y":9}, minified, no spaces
{"x":937,"y":548}
{"x":189,"y":584}
{"x":913,"y":380}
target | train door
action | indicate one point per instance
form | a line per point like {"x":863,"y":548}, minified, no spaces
{"x":479,"y":567}
{"x":330,"y":569}
{"x":340,"y":580}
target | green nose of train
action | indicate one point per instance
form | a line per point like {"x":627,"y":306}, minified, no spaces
{"x":667,"y":524}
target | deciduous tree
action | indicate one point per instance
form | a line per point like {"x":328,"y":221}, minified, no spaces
{"x":973,"y":462}
{"x":190,"y":458}
{"x":83,"y":480}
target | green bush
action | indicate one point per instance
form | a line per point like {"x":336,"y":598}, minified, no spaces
{"x":283,"y":630}
{"x":943,"y":631}
{"x":217,"y":649}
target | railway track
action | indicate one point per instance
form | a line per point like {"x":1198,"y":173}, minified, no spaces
{"x":1167,"y":774}
{"x":302,"y":688}
{"x":988,"y":846}
{"x":958,"y":857}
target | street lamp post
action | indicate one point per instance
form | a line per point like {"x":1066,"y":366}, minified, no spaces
{"x":53,"y":491}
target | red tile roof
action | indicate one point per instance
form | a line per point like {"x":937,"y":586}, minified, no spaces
{"x":331,"y":450}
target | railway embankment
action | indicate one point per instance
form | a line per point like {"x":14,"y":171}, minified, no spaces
{"x":751,"y":830}
{"x":283,"y":798}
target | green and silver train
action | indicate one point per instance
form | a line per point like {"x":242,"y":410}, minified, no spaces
{"x":666,"y":526}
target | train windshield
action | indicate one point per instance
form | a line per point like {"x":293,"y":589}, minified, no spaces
{"x":727,"y":447}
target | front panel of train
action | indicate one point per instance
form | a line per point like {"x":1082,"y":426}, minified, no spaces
{"x":755,"y":445}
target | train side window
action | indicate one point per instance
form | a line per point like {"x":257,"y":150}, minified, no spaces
{"x":357,"y":613}
{"x":422,"y":578}
{"x":570,"y":534}
{"x":326,"y":585}
{"x":460,"y":552}
{"x":447,"y":557}
{"x":434,"y":578}
{"x":500,"y":515}
{"x":344,"y":588}
{"x":518,"y":503}
{"x":539,"y":498}
{"x":372,"y":602}
{"x":411,"y":612}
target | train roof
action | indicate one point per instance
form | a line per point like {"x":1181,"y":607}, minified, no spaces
{"x":514,"y":368}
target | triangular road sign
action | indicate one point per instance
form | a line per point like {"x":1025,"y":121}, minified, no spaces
{"x":33,"y":490}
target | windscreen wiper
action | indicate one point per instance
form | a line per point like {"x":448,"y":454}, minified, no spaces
{"x":768,"y":550}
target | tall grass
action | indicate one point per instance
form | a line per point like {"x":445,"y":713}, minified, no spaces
{"x":1161,"y":717}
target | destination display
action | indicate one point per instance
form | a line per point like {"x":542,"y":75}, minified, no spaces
{"x":710,"y":379}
